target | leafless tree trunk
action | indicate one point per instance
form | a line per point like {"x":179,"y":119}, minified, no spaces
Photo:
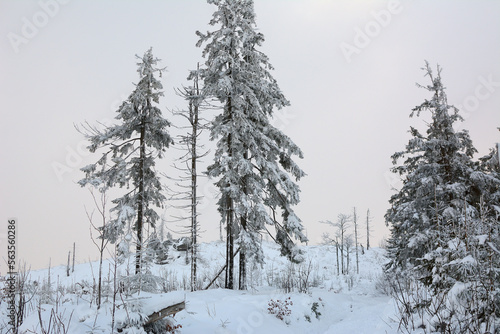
{"x":67,"y":266}
{"x":74,"y":252}
{"x":194,"y":120}
{"x":101,"y":245}
{"x":337,"y":254}
{"x":242,"y":282}
{"x":368,"y":220}
{"x":355,"y":222}
{"x":230,"y":214}
{"x":195,"y":128}
{"x":115,"y":289}
{"x":348,"y":244}
{"x":229,"y":246}
{"x":342,"y":225}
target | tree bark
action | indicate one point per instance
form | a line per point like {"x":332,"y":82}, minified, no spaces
{"x":220,"y":272}
{"x":194,"y":223}
{"x":140,"y":204}
{"x":242,"y":283}
{"x":342,"y":248}
{"x":230,"y":207}
{"x":355,"y":220}
{"x":337,"y":253}
{"x":368,"y":229}
{"x":229,"y":246}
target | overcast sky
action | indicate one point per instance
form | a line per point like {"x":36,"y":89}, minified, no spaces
{"x":349,"y":69}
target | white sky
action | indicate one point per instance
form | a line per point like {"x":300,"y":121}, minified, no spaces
{"x":348,"y":115}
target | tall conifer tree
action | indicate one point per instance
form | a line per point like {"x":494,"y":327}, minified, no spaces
{"x":445,"y":222}
{"x":253,"y":160}
{"x":131,"y":149}
{"x":435,"y":172}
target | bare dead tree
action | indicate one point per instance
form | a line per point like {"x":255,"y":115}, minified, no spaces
{"x":188,"y":193}
{"x":337,"y":254}
{"x":67,"y":266}
{"x":74,"y":252}
{"x":342,"y":225}
{"x":115,"y":287}
{"x":327,"y":240}
{"x":355,"y":223}
{"x":25,"y":296}
{"x":348,"y":245}
{"x":368,"y":229}
{"x":103,"y":242}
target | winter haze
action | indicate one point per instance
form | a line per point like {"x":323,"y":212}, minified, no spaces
{"x":349,"y":69}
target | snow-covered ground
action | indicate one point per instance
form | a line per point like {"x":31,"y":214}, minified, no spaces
{"x":331,"y":304}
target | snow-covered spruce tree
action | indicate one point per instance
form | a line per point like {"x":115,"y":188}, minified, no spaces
{"x":435,"y":218}
{"x":490,"y":164}
{"x":131,"y":149}
{"x":470,"y":261}
{"x":253,"y":160}
{"x":484,"y":248}
{"x":435,"y":171}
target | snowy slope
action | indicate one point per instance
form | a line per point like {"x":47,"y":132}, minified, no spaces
{"x":331,"y":304}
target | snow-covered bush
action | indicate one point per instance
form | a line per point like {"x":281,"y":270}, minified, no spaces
{"x":130,"y":318}
{"x":279,"y":308}
{"x":169,"y":280}
{"x":315,"y":310}
{"x":286,"y":279}
{"x":142,"y":282}
{"x":383,"y":284}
